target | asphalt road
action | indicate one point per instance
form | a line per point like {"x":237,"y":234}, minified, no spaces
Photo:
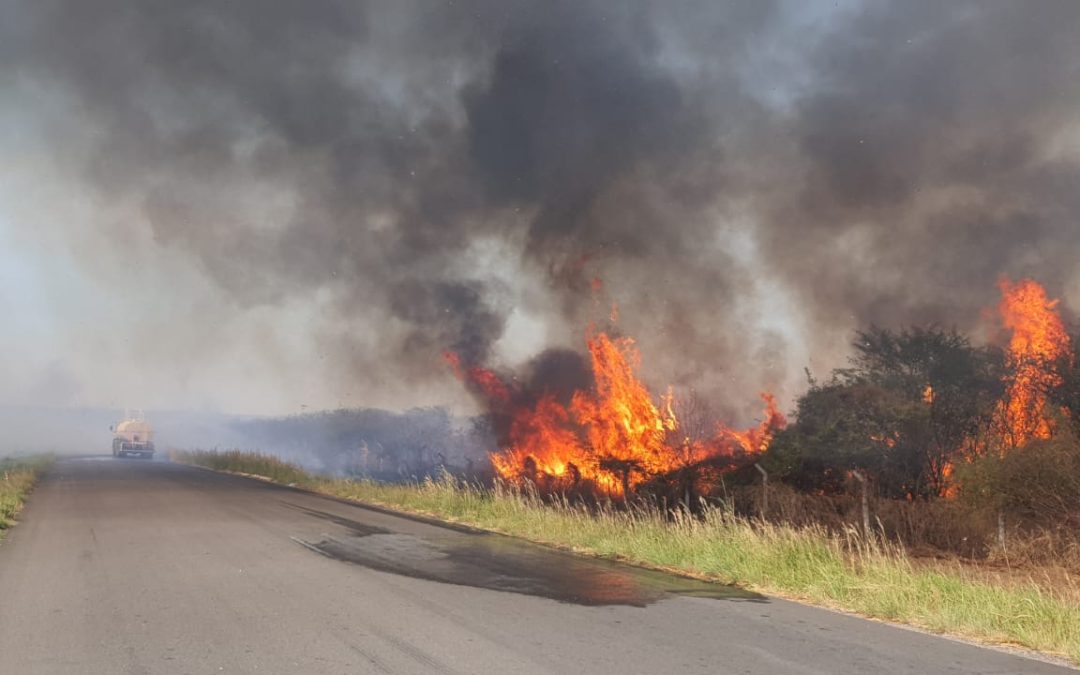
{"x":132,"y":566}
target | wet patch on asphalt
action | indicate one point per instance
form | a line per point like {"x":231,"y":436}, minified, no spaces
{"x":500,"y":563}
{"x":356,"y":527}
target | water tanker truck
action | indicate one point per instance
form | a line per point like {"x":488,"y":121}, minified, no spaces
{"x":133,"y":436}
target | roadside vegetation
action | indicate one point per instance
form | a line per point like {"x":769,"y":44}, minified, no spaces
{"x":247,"y":463}
{"x":835,"y":568}
{"x":17,"y":478}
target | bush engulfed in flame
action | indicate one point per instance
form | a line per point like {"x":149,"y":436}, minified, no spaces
{"x":1038,"y":343}
{"x":1037,"y":346}
{"x":614,"y":436}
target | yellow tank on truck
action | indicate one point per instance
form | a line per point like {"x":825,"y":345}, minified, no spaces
{"x":135,"y":431}
{"x":133,"y":437}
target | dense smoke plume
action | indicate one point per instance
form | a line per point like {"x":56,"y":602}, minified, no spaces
{"x":749,"y":180}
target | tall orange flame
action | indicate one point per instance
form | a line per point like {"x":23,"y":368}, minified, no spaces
{"x":1038,"y":341}
{"x":620,"y":419}
{"x":613,"y":435}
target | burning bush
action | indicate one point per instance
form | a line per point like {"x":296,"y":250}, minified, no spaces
{"x":1038,"y":347}
{"x":925,"y":413}
{"x":610,"y":436}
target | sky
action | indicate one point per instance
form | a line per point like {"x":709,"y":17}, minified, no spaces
{"x":272,"y":208}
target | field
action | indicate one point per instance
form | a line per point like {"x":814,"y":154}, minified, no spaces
{"x":839,"y":570}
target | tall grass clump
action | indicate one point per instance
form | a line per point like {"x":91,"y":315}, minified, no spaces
{"x":840,"y":569}
{"x":17,"y":478}
{"x":250,"y":463}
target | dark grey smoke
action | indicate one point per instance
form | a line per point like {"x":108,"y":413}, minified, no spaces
{"x":751,"y":180}
{"x":936,"y":145}
{"x":555,"y":372}
{"x":455,"y":316}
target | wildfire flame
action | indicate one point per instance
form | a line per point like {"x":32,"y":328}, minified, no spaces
{"x":1037,"y":344}
{"x":1038,"y":341}
{"x":486,"y":381}
{"x":614,"y":435}
{"x":949,"y":488}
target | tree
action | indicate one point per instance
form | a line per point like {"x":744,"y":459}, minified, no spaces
{"x":908,"y":405}
{"x":959,"y":384}
{"x":854,"y":425}
{"x":696,"y":426}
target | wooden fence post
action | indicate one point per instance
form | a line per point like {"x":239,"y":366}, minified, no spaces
{"x":764,"y":490}
{"x":1001,"y":532}
{"x":865,"y":503}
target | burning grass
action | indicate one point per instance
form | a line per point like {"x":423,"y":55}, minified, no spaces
{"x":611,"y":437}
{"x":17,"y":478}
{"x":839,"y":570}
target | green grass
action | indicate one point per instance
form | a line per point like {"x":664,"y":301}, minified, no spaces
{"x":17,"y":478}
{"x":842,"y":572}
{"x":237,"y":461}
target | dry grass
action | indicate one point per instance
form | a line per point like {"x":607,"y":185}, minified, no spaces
{"x":238,"y":461}
{"x":932,"y":529}
{"x":17,"y":478}
{"x":831,"y":567}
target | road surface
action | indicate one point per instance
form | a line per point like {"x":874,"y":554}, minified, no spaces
{"x":133,"y":566}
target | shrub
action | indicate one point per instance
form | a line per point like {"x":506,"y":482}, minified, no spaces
{"x":1039,"y":482}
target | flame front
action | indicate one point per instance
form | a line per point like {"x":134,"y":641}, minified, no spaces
{"x":620,"y":420}
{"x":614,"y":435}
{"x":1038,"y":342}
{"x":1037,"y":345}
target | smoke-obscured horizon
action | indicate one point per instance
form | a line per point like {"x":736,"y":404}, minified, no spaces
{"x":255,"y":206}
{"x":383,"y":444}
